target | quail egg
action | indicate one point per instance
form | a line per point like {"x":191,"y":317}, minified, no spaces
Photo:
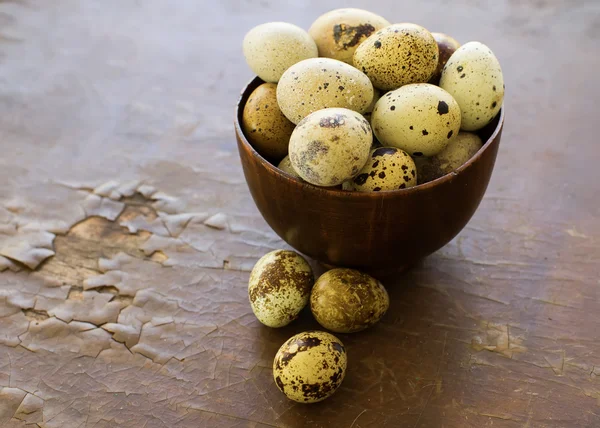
{"x":474,"y":78}
{"x":286,"y":166}
{"x":310,"y":366}
{"x":446,"y":46}
{"x":420,"y":119}
{"x":347,"y":301}
{"x":319,"y":83}
{"x":398,"y":55}
{"x":272,"y":48}
{"x":330,"y":146}
{"x":279,"y":287}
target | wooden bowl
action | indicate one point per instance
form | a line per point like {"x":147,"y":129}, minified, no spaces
{"x":376,"y":231}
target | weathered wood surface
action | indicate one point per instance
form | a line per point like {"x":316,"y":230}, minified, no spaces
{"x":127,"y":231}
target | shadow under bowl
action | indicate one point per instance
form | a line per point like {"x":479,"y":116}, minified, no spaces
{"x":375,"y":231}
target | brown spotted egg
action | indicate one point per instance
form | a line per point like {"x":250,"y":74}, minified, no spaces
{"x":310,"y":366}
{"x":339,"y":32}
{"x":319,"y":83}
{"x":330,"y":146}
{"x":264,"y":124}
{"x":272,"y":48}
{"x":474,"y":78}
{"x":347,"y":301}
{"x":388,"y":168}
{"x":286,"y":166}
{"x":420,"y":119}
{"x":398,"y":55}
{"x":461,"y":148}
{"x":279,"y":287}
{"x":446,"y":46}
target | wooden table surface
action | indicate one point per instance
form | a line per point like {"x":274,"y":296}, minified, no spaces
{"x":127,"y":231}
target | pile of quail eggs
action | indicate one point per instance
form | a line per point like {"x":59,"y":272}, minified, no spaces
{"x":358,"y":104}
{"x":353,"y":84}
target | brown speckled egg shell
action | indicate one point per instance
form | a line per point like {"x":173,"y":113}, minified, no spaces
{"x":310,"y":366}
{"x":339,"y":32}
{"x":446,"y":46}
{"x":286,"y":166}
{"x":388,"y":168}
{"x":419,"y":118}
{"x":460,"y":149}
{"x":398,"y":55}
{"x":330,"y":146}
{"x":347,"y":301}
{"x":264,"y":124}
{"x":319,"y":83}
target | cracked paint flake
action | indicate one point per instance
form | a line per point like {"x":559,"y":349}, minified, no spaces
{"x":29,"y":248}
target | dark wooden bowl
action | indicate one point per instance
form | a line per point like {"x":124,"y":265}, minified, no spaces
{"x":371,"y":231}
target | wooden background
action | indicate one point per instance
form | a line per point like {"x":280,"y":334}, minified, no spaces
{"x":127,"y":231}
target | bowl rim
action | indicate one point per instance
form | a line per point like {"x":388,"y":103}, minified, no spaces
{"x":349,"y":194}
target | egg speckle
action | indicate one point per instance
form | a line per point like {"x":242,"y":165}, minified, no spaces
{"x":460,"y":149}
{"x":418,"y":118}
{"x":398,"y":55}
{"x":388,"y":168}
{"x":330,"y":146}
{"x":264,"y":124}
{"x":279,"y":287}
{"x":347,"y":301}
{"x":272,"y":48}
{"x":339,"y":32}
{"x":310,"y":366}
{"x":319,"y":83}
{"x":474,"y":78}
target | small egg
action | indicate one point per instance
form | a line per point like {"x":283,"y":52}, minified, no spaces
{"x":286,"y":166}
{"x":388,"y":168}
{"x":446,"y":47}
{"x":330,"y":146}
{"x":398,"y":55}
{"x":347,"y":301}
{"x":319,"y":83}
{"x":460,"y":149}
{"x":310,"y":366}
{"x":279,"y":287}
{"x":474,"y":78}
{"x":339,"y":32}
{"x":272,"y":48}
{"x":420,"y":119}
{"x":264,"y":124}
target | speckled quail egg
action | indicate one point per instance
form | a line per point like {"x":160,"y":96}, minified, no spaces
{"x":460,"y":149}
{"x":446,"y":46}
{"x":286,"y":166}
{"x":388,"y":168}
{"x":272,"y":48}
{"x":398,"y":55}
{"x":474,"y":78}
{"x":279,"y":287}
{"x":330,"y":146}
{"x":319,"y":83}
{"x":346,"y":300}
{"x":420,"y":119}
{"x":310,"y":366}
{"x":264,"y":124}
{"x":339,"y":32}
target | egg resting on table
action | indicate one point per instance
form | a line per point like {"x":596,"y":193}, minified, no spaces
{"x":347,"y":301}
{"x":339,"y":32}
{"x":279,"y":287}
{"x":473,"y":76}
{"x":419,"y":118}
{"x":461,"y":148}
{"x":264,"y":124}
{"x":330,"y":146}
{"x":319,"y":83}
{"x":272,"y":48}
{"x":398,"y":55}
{"x":388,"y":168}
{"x":310,"y":366}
